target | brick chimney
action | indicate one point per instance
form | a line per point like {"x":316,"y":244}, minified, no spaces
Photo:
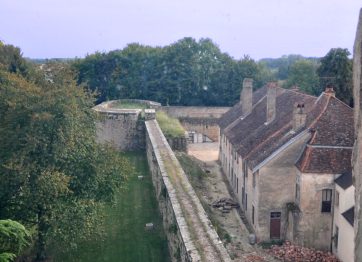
{"x":329,"y":91}
{"x":271,"y":102}
{"x":246,"y":96}
{"x":299,"y":117}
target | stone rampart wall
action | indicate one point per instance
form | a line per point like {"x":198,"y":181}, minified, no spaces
{"x":199,"y":119}
{"x":194,"y":111}
{"x":179,"y":239}
{"x":181,"y":245}
{"x":121,"y":128}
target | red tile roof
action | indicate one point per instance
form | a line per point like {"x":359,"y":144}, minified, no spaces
{"x":329,"y":119}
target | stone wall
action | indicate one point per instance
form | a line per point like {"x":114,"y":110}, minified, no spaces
{"x":181,"y":239}
{"x":121,"y":128}
{"x":199,"y":119}
{"x":169,"y":207}
{"x":205,"y":126}
{"x":195,"y":111}
{"x":357,"y":151}
{"x":177,"y":143}
{"x":148,"y":103}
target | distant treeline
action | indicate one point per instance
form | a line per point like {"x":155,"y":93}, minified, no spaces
{"x":196,"y":72}
{"x":190,"y":72}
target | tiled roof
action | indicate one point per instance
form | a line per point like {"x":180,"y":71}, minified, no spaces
{"x":235,"y":112}
{"x":330,"y":147}
{"x":254,"y":140}
{"x":345,"y":180}
{"x":325,"y":160}
{"x":349,"y":216}
{"x":329,"y":119}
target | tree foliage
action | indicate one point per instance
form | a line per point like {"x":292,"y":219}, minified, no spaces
{"x":13,"y":239}
{"x":187,"y":72}
{"x":336,"y":70}
{"x":54,"y":176}
{"x":303,"y":73}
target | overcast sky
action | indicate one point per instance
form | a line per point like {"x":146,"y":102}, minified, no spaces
{"x":259,"y":28}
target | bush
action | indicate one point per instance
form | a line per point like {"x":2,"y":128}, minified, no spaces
{"x":170,"y":126}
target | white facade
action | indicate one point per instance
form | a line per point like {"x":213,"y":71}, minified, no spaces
{"x":343,"y":244}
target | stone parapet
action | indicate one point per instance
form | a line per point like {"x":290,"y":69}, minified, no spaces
{"x":190,"y":233}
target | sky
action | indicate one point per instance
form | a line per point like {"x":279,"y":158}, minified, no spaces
{"x":258,"y":28}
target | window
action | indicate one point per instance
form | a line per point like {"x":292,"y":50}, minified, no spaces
{"x":246,"y":201}
{"x":326,"y":200}
{"x":254,"y":179}
{"x":336,"y":200}
{"x":245,"y":170}
{"x":237,"y":185}
{"x":253,"y":215}
{"x":242,"y":196}
{"x":335,"y":237}
{"x":297,"y":192}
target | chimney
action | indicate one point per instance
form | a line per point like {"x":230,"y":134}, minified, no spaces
{"x":246,"y":96}
{"x":329,"y":91}
{"x":299,"y":117}
{"x":271,"y":102}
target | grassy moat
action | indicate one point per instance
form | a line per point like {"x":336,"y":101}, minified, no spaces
{"x":126,"y":237}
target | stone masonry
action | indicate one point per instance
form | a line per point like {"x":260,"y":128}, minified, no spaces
{"x":357,"y":151}
{"x":191,"y":236}
{"x":197,"y":118}
{"x":121,"y":128}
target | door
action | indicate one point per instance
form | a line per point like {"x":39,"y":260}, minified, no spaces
{"x":275,"y":225}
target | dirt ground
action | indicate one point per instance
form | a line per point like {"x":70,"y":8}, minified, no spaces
{"x":214,"y":189}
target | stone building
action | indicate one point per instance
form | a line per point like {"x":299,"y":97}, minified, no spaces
{"x":343,"y":221}
{"x":281,"y":151}
{"x":357,"y":155}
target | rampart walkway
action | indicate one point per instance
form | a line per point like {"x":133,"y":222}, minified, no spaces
{"x":200,"y":231}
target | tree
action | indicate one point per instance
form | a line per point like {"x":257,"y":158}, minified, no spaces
{"x":12,"y":61}
{"x":303,"y":73}
{"x":53,"y":174}
{"x":336,"y":70}
{"x":187,"y":72}
{"x":13,"y":239}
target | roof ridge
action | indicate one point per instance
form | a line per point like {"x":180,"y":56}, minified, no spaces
{"x":236,"y":121}
{"x":320,"y":115}
{"x":270,"y":137}
{"x":341,"y":102}
{"x":300,"y":93}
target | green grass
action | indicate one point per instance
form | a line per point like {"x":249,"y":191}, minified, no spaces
{"x":169,"y":126}
{"x":126,"y":238}
{"x":129,"y":105}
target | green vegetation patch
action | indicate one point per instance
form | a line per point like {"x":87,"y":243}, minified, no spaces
{"x":126,"y":238}
{"x":170,"y":126}
{"x":129,"y":105}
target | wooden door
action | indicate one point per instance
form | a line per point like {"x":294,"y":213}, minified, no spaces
{"x":275,"y":225}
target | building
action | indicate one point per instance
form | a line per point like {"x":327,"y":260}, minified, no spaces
{"x":343,"y":221}
{"x":281,"y":151}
